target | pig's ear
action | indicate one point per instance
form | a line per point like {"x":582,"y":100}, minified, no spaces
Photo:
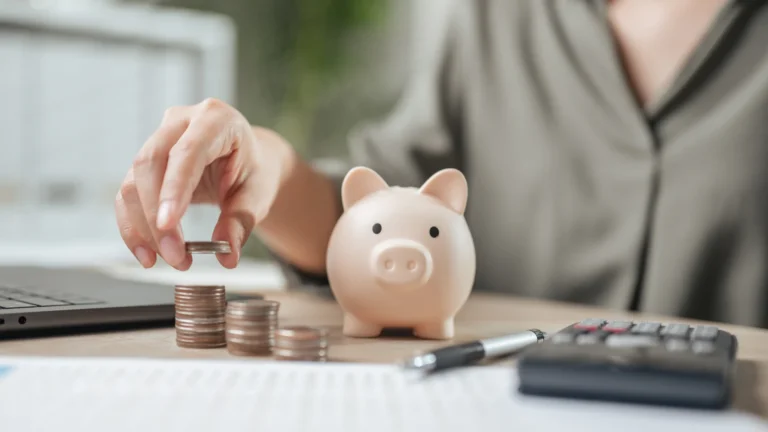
{"x":450,"y":187}
{"x":359,"y":183}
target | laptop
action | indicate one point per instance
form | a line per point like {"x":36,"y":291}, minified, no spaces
{"x":40,"y":301}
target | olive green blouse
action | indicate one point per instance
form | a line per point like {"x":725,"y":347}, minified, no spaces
{"x":577,"y":193}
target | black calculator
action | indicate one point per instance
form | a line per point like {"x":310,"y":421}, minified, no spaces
{"x":638,"y":362}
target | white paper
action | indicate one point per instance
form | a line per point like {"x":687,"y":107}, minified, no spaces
{"x":38,"y":394}
{"x":92,"y":83}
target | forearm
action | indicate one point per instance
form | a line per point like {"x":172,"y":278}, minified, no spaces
{"x":300,"y":221}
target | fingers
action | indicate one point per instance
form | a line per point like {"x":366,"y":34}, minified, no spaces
{"x":149,"y":171}
{"x":197,"y":147}
{"x":166,"y":175}
{"x":239,"y":216}
{"x":135,"y":230}
{"x":132,"y":225}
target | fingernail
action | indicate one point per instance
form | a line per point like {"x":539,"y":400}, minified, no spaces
{"x":170,"y":252}
{"x":164,"y":215}
{"x":142,"y":255}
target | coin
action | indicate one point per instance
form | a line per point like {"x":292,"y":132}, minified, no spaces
{"x":301,"y":343}
{"x":250,"y":326}
{"x":200,"y":316}
{"x":293,"y":355}
{"x":303,"y":333}
{"x":208,"y":247}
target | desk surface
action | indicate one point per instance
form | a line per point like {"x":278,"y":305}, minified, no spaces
{"x":483,"y":316}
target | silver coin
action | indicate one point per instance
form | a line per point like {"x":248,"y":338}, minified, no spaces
{"x":308,"y":355}
{"x":246,"y":350}
{"x":301,"y":345}
{"x":252,"y":307}
{"x":250,"y":341}
{"x":301,"y":333}
{"x":208,"y":247}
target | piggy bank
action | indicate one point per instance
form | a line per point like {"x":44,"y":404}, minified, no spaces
{"x":401,"y":257}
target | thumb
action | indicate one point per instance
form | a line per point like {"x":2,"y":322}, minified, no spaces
{"x":243,"y":209}
{"x":234,"y":226}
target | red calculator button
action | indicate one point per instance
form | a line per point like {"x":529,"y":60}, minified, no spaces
{"x":590,"y":324}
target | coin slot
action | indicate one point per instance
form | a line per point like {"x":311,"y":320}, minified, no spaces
{"x":22,"y":320}
{"x":2,"y":321}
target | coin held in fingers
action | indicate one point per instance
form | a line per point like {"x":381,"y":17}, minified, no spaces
{"x":208,"y":247}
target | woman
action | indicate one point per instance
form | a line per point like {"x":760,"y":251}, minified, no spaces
{"x":615,"y":152}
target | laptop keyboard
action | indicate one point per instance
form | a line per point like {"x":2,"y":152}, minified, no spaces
{"x":15,"y":298}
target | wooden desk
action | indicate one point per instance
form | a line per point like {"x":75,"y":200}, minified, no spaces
{"x":483,"y":316}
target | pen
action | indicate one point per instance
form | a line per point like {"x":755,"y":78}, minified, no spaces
{"x":471,"y":352}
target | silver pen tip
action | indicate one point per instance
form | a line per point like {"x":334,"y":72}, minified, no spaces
{"x":423,"y":362}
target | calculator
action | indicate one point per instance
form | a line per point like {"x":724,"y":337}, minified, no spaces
{"x":637,"y":362}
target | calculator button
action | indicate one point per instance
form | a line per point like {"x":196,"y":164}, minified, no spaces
{"x":588,"y":339}
{"x":677,"y":345}
{"x":646,"y":327}
{"x":617,"y":326}
{"x":702,"y":347}
{"x":631,"y":341}
{"x":561,"y":338}
{"x":704,"y":332}
{"x":590,"y":324}
{"x":676,"y":330}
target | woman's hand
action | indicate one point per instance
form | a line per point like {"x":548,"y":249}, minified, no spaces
{"x":209,"y":154}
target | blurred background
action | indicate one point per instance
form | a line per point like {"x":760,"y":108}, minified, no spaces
{"x":84,"y":82}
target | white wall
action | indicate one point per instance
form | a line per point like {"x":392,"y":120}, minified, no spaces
{"x":80,"y":91}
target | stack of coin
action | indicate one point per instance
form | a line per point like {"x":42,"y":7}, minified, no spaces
{"x":200,"y":316}
{"x":301,"y":343}
{"x":251,"y":325}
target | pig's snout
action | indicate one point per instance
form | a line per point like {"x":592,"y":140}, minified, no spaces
{"x":400,"y":262}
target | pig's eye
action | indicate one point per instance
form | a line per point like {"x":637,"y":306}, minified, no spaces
{"x":376,"y":228}
{"x":434,"y":232}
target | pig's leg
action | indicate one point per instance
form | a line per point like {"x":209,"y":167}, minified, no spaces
{"x":353,"y":327}
{"x":439,"y":330}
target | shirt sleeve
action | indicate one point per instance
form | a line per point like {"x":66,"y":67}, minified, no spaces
{"x":421,"y":135}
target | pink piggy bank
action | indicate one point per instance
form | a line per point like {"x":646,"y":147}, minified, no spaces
{"x":401,"y":257}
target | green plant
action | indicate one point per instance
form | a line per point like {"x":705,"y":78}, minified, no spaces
{"x":288,"y":52}
{"x":315,"y":37}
